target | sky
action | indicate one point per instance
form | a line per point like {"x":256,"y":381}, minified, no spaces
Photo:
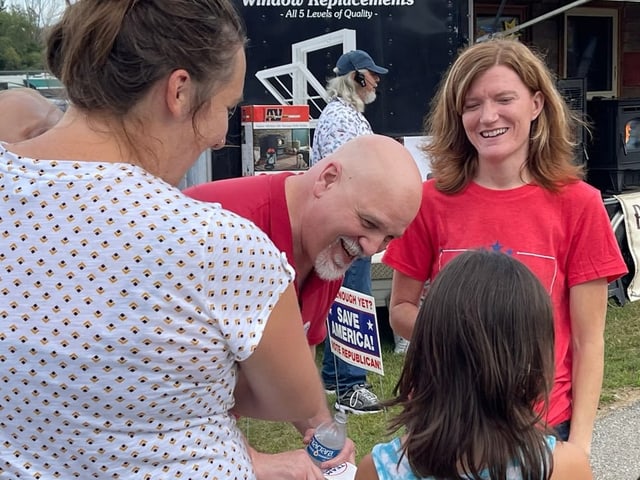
{"x":50,"y":8}
{"x":21,"y":3}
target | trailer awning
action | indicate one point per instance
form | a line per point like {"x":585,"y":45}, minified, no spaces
{"x":543,"y":17}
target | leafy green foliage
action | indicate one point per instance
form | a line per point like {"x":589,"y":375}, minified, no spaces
{"x":20,"y":39}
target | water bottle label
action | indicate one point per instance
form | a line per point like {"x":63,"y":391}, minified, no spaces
{"x":319,"y":452}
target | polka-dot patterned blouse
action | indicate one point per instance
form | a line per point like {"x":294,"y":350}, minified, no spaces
{"x":124,"y":308}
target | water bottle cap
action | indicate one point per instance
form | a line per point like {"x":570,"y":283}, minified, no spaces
{"x":341,"y":417}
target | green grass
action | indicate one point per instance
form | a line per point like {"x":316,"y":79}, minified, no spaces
{"x":364,"y":430}
{"x":622,"y":372}
{"x":622,"y":351}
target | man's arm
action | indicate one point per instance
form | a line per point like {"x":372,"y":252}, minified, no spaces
{"x":588,"y":309}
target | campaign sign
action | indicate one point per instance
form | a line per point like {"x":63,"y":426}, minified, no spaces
{"x":353,"y":330}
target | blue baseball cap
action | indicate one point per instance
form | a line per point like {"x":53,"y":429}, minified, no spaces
{"x":357,"y":60}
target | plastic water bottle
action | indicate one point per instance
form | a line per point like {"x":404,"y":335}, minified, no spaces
{"x":328,"y":439}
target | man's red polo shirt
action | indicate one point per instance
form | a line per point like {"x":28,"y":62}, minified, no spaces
{"x":261,"y":199}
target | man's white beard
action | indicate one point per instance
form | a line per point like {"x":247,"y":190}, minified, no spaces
{"x":327,"y":269}
{"x":370,"y":97}
{"x":331,"y":268}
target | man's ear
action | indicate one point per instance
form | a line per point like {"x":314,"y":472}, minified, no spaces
{"x":178,"y":93}
{"x":328,"y":178}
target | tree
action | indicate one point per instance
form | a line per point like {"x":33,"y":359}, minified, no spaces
{"x":21,"y":28}
{"x":9,"y":58}
{"x":43,"y":12}
{"x":21,"y":39}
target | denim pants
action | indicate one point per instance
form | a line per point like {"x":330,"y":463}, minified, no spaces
{"x":357,"y":278}
{"x":562,"y":430}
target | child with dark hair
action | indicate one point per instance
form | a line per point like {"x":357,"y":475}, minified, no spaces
{"x":480,"y":358}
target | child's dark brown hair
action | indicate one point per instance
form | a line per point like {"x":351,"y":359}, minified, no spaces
{"x":480,"y":358}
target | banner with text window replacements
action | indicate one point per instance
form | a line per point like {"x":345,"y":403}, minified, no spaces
{"x":353,"y":330}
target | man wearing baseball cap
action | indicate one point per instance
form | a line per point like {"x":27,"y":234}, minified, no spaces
{"x":353,"y":87}
{"x":357,"y":60}
{"x":357,"y":77}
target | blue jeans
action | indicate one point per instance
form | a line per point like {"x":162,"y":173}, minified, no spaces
{"x":357,"y":278}
{"x":562,"y":430}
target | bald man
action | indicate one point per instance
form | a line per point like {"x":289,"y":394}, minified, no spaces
{"x":341,"y":209}
{"x":24,"y":114}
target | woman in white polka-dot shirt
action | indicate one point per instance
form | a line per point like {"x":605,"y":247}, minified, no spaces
{"x":134,"y":320}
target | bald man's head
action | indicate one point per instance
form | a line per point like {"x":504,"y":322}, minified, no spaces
{"x":25,"y":114}
{"x":380,"y":167}
{"x":365,"y":193}
{"x":378,"y":160}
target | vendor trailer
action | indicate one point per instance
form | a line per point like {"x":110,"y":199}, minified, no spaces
{"x":594,"y":47}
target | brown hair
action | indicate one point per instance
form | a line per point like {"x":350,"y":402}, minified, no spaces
{"x":481,"y":356}
{"x":454,"y":159}
{"x":110,"y":53}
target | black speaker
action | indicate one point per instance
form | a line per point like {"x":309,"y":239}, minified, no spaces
{"x":359,"y":77}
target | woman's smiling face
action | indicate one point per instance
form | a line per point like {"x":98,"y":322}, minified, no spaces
{"x":497,"y":114}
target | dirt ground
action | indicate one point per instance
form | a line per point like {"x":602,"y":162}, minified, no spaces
{"x":623,"y":398}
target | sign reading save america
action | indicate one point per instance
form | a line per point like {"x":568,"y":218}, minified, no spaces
{"x":353,"y":330}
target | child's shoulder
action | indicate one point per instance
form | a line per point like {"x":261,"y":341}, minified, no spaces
{"x":382,"y":463}
{"x":366,"y":469}
{"x":385,"y":457}
{"x":570,"y":462}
